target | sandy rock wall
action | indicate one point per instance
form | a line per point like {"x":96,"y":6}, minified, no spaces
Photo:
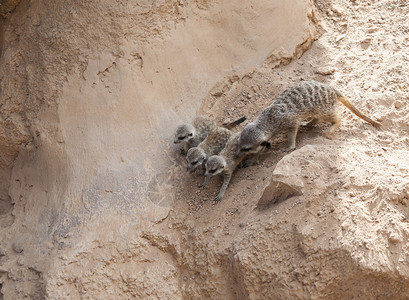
{"x":342,"y":224}
{"x":7,"y":6}
{"x":96,"y":203}
{"x":346,"y":235}
{"x":90,"y":95}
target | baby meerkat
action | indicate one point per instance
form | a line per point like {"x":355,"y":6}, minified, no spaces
{"x":212,"y":144}
{"x":193,"y":134}
{"x":226,"y":162}
{"x":306,"y":100}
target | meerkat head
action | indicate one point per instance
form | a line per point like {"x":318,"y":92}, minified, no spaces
{"x":251,"y":140}
{"x":195,"y":157}
{"x":215,"y":165}
{"x":184,"y":133}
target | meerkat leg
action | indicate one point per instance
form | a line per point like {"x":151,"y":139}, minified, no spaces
{"x":335,"y":124}
{"x":334,"y":120}
{"x":249,"y":161}
{"x":226,"y":182}
{"x":203,"y":171}
{"x":292,"y":134}
{"x":184,"y":149}
{"x":205,"y":182}
{"x":312,"y":123}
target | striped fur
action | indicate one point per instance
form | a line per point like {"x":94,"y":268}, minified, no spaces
{"x":306,"y":100}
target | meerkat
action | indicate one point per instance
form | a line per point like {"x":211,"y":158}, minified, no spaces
{"x":191,"y":135}
{"x":225,"y":163}
{"x":212,"y":145}
{"x":306,"y":100}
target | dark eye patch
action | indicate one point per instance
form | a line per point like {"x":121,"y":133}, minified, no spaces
{"x":266,"y":144}
{"x":195,"y":162}
{"x":212,"y":170}
{"x":181,"y":137}
{"x":190,"y":134}
{"x":246,"y":149}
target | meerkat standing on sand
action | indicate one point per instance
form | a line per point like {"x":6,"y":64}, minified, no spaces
{"x":308,"y":99}
{"x":226,"y":162}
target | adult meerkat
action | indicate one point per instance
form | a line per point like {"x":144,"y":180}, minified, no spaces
{"x":191,"y":135}
{"x":225,"y":163}
{"x":306,"y":100}
{"x":212,"y":145}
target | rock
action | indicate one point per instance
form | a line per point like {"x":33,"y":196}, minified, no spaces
{"x":326,"y":70}
{"x":283,"y":185}
{"x":17,"y":247}
{"x":318,"y":246}
{"x":372,"y":29}
{"x":399,"y":104}
{"x":365,"y":43}
{"x":2,"y":252}
{"x":338,"y":10}
{"x":394,"y":238}
{"x":7,"y":6}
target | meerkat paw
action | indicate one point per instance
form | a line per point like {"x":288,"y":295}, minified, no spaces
{"x":249,"y":162}
{"x":245,"y":164}
{"x":218,"y":199}
{"x":289,"y":149}
{"x":310,"y":125}
{"x":203,"y":172}
{"x":205,"y":182}
{"x":329,"y":135}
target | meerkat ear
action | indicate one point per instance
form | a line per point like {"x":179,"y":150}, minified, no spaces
{"x":204,"y":156}
{"x":266,"y":144}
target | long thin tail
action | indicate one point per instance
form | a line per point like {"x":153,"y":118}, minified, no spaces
{"x":357,"y":112}
{"x":234,"y":123}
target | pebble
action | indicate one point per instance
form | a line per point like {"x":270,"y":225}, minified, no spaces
{"x":372,"y":29}
{"x":399,"y":104}
{"x":325,"y":70}
{"x":394,"y":238}
{"x":17,"y":247}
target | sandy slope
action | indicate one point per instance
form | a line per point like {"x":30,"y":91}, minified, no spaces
{"x":347,"y":236}
{"x":95,"y":208}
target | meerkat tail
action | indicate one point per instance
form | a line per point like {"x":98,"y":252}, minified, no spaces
{"x":357,"y":112}
{"x":234,"y":123}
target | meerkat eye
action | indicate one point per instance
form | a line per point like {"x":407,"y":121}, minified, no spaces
{"x":190,"y":134}
{"x":212,"y":170}
{"x":181,"y":137}
{"x":195,"y":162}
{"x":246,"y":149}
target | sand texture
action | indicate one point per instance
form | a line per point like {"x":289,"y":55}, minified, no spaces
{"x":95,"y":199}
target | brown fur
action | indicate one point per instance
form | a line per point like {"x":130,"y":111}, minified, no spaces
{"x":306,"y":100}
{"x":225,"y":163}
{"x":212,"y":145}
{"x":193,"y":134}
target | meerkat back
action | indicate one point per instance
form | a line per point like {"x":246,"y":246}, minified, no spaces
{"x":203,"y":126}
